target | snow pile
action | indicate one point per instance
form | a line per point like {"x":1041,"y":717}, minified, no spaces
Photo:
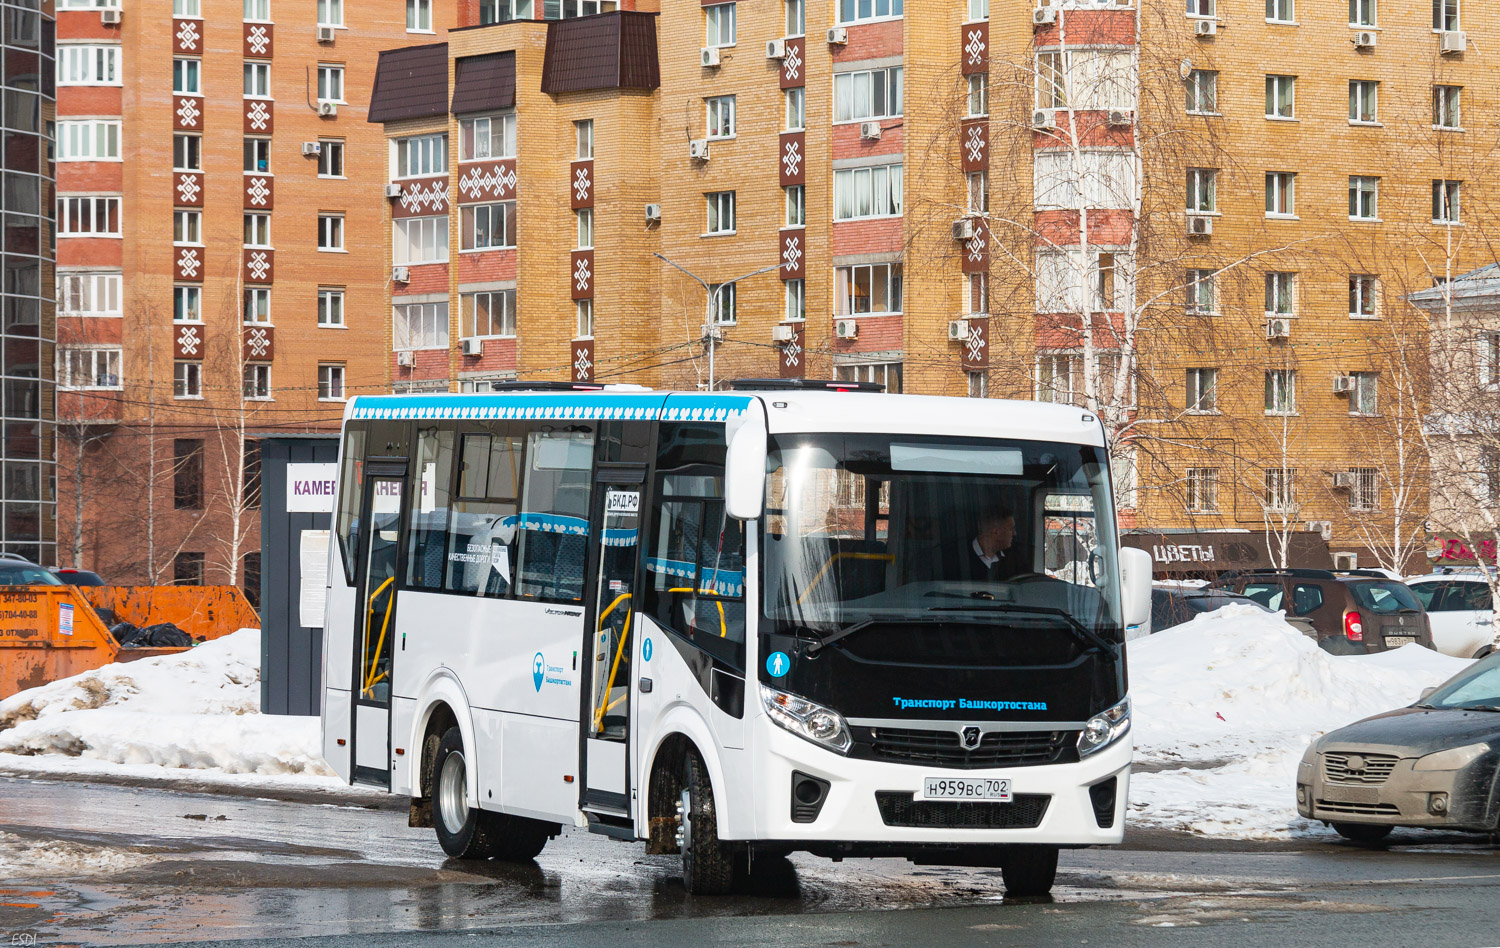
{"x":1236,"y":696}
{"x":194,"y":710}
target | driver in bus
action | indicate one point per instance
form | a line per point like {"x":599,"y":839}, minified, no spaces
{"x":988,"y":557}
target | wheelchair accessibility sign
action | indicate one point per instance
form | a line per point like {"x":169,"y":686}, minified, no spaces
{"x":778,"y":664}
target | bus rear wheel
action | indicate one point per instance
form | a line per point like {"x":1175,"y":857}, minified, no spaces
{"x":1029,"y":871}
{"x":707,"y":861}
{"x":467,"y":832}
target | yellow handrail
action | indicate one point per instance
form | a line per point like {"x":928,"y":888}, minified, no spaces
{"x":613,"y":670}
{"x":723,"y":626}
{"x":884,"y":557}
{"x":370,"y":679}
{"x":605,"y":614}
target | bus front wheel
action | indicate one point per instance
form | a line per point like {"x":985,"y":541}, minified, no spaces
{"x":707,"y":861}
{"x":1028,"y":871}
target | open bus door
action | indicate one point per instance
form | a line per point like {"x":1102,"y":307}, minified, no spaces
{"x":378,"y":541}
{"x":616,"y":529}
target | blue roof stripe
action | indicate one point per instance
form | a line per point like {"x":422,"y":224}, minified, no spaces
{"x":582,"y":406}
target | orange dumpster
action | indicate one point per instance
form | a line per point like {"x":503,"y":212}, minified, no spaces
{"x":203,"y":612}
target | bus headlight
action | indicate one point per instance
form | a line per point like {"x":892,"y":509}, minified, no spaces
{"x":806,"y":719}
{"x":1104,"y":728}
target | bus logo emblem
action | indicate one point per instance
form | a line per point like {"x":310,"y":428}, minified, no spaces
{"x":970,"y":737}
{"x":778,"y":664}
{"x":538,"y":668}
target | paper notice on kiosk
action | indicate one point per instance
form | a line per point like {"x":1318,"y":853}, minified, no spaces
{"x":314,"y":592}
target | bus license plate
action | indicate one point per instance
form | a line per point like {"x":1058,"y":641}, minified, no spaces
{"x":1392,"y":641}
{"x":996,"y":789}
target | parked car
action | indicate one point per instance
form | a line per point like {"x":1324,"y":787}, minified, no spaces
{"x":1174,"y":605}
{"x":13,"y":573}
{"x":1351,"y":613}
{"x":1431,"y":764}
{"x":79,"y":577}
{"x":1458,"y":606}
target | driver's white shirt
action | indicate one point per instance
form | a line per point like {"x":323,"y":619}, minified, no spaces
{"x":988,"y":561}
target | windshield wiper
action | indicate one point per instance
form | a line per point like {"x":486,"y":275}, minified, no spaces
{"x":1078,"y":628}
{"x":829,"y":639}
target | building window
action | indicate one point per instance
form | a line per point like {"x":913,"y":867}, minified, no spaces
{"x":257,"y":80}
{"x":1104,"y":289}
{"x":978,"y":98}
{"x":1365,"y":494}
{"x":867,"y":192}
{"x":257,"y":382}
{"x":887,"y":374}
{"x":187,"y":304}
{"x":719,"y":25}
{"x":1446,"y":107}
{"x":1363,"y":295}
{"x":257,"y":9}
{"x":89,"y":293}
{"x":187,"y":473}
{"x":796,"y":206}
{"x":86,"y":65}
{"x":1281,"y":96}
{"x":869,"y":94}
{"x":419,"y":16}
{"x":330,"y":158}
{"x":180,"y":8}
{"x":585,"y":221}
{"x":503,"y":11}
{"x":421,"y":155}
{"x":421,"y":240}
{"x":724,"y":296}
{"x":1056,"y":377}
{"x":1202,"y":292}
{"x":1445,"y":15}
{"x":1202,"y":190}
{"x":796,"y":300}
{"x":1279,"y":489}
{"x":330,"y":83}
{"x":421,"y":326}
{"x":977,"y":293}
{"x":1445,"y":204}
{"x":1488,"y":359}
{"x":869,"y":289}
{"x":720,"y":121}
{"x":187,"y":153}
{"x":330,"y":382}
{"x":89,"y":368}
{"x":1086,"y":79}
{"x":1281,"y":11}
{"x":331,"y":232}
{"x":488,"y":314}
{"x":330,"y":306}
{"x":720,"y":212}
{"x":796,"y":18}
{"x":1281,"y":194}
{"x":492,"y":136}
{"x":187,"y":227}
{"x":257,"y":230}
{"x":257,"y":155}
{"x":979,"y":10}
{"x":1202,"y":391}
{"x":858,"y":11}
{"x":796,"y":111}
{"x":1281,"y":294}
{"x":1281,"y":392}
{"x":97,"y":140}
{"x":1362,"y":13}
{"x":979,"y":384}
{"x":583,"y":319}
{"x":1202,"y":86}
{"x":978,"y":187}
{"x":1202,"y":489}
{"x":187,"y":569}
{"x":1364,"y":104}
{"x":1363,"y":393}
{"x":330,"y":12}
{"x":487,"y":226}
{"x":88,"y":217}
{"x":187,"y":380}
{"x":257,"y":305}
{"x":583,"y":133}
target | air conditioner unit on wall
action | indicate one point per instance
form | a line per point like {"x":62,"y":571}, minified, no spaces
{"x":698,"y":149}
{"x":1043,"y":118}
{"x":710,"y":56}
{"x":473,"y":347}
{"x":1342,"y":385}
{"x":776,"y":49}
{"x":870,"y":131}
{"x":326,"y":34}
{"x":845,"y":328}
{"x":958,"y":330}
{"x":401,"y":274}
{"x":963,"y":229}
{"x":1343,"y":480}
{"x":312,"y":148}
{"x":1323,"y":528}
{"x":1043,"y":16}
{"x":111,"y":17}
{"x":1119,"y":118}
{"x":391,"y":190}
{"x":1278,"y":328}
{"x":1365,"y":39}
{"x":1200,"y":226}
{"x":327,"y":109}
{"x":406,"y":358}
{"x":782,"y":334}
{"x":653,"y":213}
{"x":1344,"y":561}
{"x":1205,"y":28}
{"x":838,"y":36}
{"x":1453,"y":41}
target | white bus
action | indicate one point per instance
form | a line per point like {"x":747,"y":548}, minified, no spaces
{"x":760,"y":621}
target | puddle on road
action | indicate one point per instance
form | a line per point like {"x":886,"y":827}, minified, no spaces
{"x":1191,"y":912}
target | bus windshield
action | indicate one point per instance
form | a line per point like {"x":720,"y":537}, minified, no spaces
{"x":874,"y":530}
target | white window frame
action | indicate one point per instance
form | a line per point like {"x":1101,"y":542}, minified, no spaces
{"x":583,"y":136}
{"x":183,"y":9}
{"x":331,"y":307}
{"x":331,"y":13}
{"x":584,"y":219}
{"x":718,"y":120}
{"x":854,"y":11}
{"x":331,"y":382}
{"x":1364,"y":14}
{"x":477,"y":139}
{"x":883,"y":372}
{"x":1281,"y":294}
{"x":1446,"y":16}
{"x":419,"y":16}
{"x":583,"y":319}
{"x":1362,"y":285}
{"x":719,"y":26}
{"x":331,"y":232}
{"x":977,"y":193}
{"x":432,"y":333}
{"x":1447,"y":201}
{"x":1364,"y":190}
{"x":1198,"y":284}
{"x":197,"y":150}
{"x":1281,"y":392}
{"x":256,"y":82}
{"x":726,"y":303}
{"x":112,"y":356}
{"x":795,"y":200}
{"x":1281,"y":195}
{"x":796,"y":301}
{"x":796,"y":18}
{"x":1200,"y":9}
{"x":1202,"y":387}
{"x":1364,"y":93}
{"x":187,"y":227}
{"x":70,"y":207}
{"x":260,"y":149}
{"x":468,"y":223}
{"x":796,"y":109}
{"x":977,"y":104}
{"x":329,"y":75}
{"x":719,"y":215}
{"x":1201,"y":485}
{"x":847,"y":281}
{"x":433,"y":237}
{"x":257,"y":11}
{"x":1279,"y":87}
{"x":1202,"y":89}
{"x":1280,"y":489}
{"x":979,"y":10}
{"x":256,"y":382}
{"x":864,"y":95}
{"x":1202,"y":188}
{"x":192,"y":295}
{"x":468,"y":326}
{"x":187,"y":75}
{"x":256,"y":306}
{"x":419,"y":156}
{"x":80,"y":291}
{"x":868,"y":193}
{"x":88,"y":140}
{"x":257,"y":228}
{"x":1281,"y":12}
{"x":89,"y":64}
{"x":327,"y":148}
{"x":1365,"y":494}
{"x":1442,"y":109}
{"x":1364,"y":394}
{"x":187,"y":379}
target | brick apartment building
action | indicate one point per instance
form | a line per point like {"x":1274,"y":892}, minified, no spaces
{"x":1201,"y":224}
{"x":219,"y":192}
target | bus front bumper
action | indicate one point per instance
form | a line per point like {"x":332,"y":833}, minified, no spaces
{"x":872,"y":801}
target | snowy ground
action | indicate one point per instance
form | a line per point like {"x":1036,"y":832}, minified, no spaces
{"x":1228,"y":702}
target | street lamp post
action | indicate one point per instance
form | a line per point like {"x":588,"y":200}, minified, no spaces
{"x":711,"y":313}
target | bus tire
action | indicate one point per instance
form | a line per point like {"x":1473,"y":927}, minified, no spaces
{"x":517,"y":838}
{"x":707,"y":861}
{"x":463,"y":831}
{"x":1029,"y":871}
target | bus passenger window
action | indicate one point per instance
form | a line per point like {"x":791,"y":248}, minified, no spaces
{"x":482,"y":535}
{"x":554,"y":518}
{"x":351,"y":494}
{"x":429,"y":519}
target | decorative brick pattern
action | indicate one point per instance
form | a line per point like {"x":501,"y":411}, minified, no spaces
{"x":582,"y":351}
{"x":187,"y":264}
{"x":974,"y":52}
{"x":481,"y":181}
{"x":793,"y":158}
{"x":794,"y":65}
{"x":421,"y":197}
{"x":260,"y":266}
{"x":259,"y":343}
{"x":259,"y":40}
{"x":976,"y":250}
{"x":793,"y":254}
{"x":187,"y":189}
{"x":974,"y":351}
{"x":582,"y":178}
{"x":581,"y":269}
{"x":260,"y":192}
{"x":974,"y":144}
{"x":793,"y":360}
{"x":189,"y":341}
{"x":260,"y":116}
{"x":187,"y":37}
{"x":187,"y":113}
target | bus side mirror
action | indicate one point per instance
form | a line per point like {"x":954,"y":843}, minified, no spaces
{"x":1135,"y":586}
{"x":745,"y":468}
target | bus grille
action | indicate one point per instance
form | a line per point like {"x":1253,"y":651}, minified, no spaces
{"x":903,"y":809}
{"x":943,"y":749}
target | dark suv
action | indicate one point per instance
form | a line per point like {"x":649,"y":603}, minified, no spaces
{"x":1351,"y":613}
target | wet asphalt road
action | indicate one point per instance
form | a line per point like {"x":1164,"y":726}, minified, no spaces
{"x":96,"y":864}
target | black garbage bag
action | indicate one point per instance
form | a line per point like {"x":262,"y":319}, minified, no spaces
{"x":128,"y":635}
{"x":108,"y":617}
{"x":166,"y":635}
